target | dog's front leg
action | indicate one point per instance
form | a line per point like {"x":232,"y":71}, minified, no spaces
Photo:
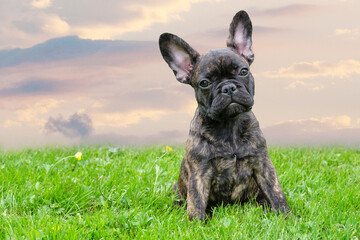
{"x":197,"y":195}
{"x":268,"y":182}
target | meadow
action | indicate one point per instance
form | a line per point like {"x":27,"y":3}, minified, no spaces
{"x":126,"y":193}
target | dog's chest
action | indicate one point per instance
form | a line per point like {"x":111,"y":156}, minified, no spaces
{"x":231,"y":179}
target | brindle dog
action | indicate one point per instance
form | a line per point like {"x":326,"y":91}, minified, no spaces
{"x":226,"y":159}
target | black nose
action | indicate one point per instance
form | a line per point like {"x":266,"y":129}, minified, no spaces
{"x":229,"y":89}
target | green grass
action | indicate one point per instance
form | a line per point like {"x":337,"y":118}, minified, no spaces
{"x":125,"y":193}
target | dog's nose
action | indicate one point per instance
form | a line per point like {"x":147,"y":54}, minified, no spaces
{"x":229,"y":89}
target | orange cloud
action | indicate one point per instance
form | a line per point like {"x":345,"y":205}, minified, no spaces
{"x":33,"y":114}
{"x":313,"y":124}
{"x":347,"y":31}
{"x":126,"y":119}
{"x":309,"y":85}
{"x":41,"y":3}
{"x":342,"y":69}
{"x":11,"y":123}
{"x":327,"y":130}
{"x":150,"y":13}
{"x":55,"y":25}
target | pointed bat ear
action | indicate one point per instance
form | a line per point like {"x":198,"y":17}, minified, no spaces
{"x":240,"y":33}
{"x":180,"y":57}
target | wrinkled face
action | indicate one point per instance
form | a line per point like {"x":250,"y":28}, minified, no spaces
{"x":223,"y":84}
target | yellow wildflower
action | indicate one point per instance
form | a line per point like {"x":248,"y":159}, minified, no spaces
{"x":169,"y":149}
{"x":78,"y":156}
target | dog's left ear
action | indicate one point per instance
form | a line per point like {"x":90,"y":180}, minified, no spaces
{"x":240,"y":33}
{"x":179,"y":55}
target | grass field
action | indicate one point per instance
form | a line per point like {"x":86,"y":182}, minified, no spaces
{"x":125,"y":193}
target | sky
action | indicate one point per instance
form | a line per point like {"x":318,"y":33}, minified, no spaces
{"x":90,"y":72}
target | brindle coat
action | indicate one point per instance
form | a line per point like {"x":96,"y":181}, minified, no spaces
{"x":226,"y":159}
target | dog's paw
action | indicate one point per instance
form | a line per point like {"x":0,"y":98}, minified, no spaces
{"x":193,"y":216}
{"x":179,"y":202}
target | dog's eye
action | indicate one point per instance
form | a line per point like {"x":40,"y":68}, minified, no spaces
{"x":204,"y":83}
{"x":244,"y":72}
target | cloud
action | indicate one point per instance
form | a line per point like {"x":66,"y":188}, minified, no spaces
{"x":327,"y":130}
{"x":163,"y":137}
{"x":301,"y":70}
{"x":29,"y":27}
{"x":41,"y":3}
{"x":55,"y":25}
{"x":39,"y":23}
{"x":11,"y":123}
{"x":78,"y":125}
{"x":262,"y":30}
{"x":33,"y":114}
{"x":147,"y":13}
{"x":30,"y":87}
{"x":321,"y":124}
{"x":71,"y":47}
{"x":217,"y":37}
{"x":27,"y":22}
{"x":168,"y":98}
{"x":347,"y":31}
{"x":125,"y":119}
{"x":93,"y":19}
{"x":292,"y":10}
{"x":310,"y":85}
{"x":352,"y":34}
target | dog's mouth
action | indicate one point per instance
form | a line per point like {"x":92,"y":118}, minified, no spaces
{"x":234,"y":109}
{"x":230,"y":110}
{"x":235,"y":104}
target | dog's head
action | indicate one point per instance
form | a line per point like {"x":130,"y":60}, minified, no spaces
{"x":221,"y":78}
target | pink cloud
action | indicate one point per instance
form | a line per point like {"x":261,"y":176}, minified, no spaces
{"x":329,"y":130}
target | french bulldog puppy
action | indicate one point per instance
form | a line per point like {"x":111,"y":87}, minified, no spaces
{"x":226,"y":159}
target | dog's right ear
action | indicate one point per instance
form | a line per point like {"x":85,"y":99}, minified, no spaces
{"x":180,"y":57}
{"x":240,"y":36}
